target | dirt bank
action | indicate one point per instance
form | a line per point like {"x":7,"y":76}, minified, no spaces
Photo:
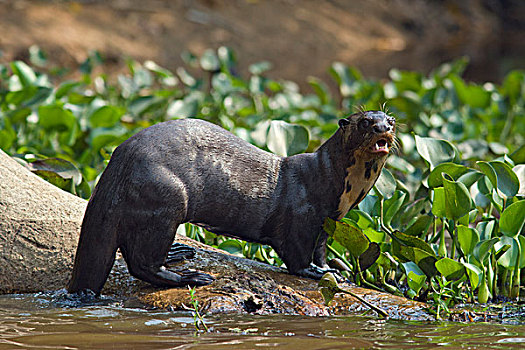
{"x":300,"y":38}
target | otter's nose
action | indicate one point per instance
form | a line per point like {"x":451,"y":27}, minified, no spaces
{"x":381,"y":127}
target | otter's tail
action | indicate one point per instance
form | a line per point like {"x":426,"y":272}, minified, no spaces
{"x":98,"y":239}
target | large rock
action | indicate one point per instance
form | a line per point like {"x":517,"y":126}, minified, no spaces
{"x":39,"y":227}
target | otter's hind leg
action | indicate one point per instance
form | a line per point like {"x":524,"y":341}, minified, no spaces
{"x":147,"y":233}
{"x":146,"y":248}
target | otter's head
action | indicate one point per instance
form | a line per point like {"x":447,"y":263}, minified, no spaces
{"x":368,"y":134}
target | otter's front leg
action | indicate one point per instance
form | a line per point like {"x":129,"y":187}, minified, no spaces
{"x":320,"y":251}
{"x":300,"y":250}
{"x":319,"y":263}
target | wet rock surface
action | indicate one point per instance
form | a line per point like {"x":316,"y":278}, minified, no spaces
{"x":247,"y":286}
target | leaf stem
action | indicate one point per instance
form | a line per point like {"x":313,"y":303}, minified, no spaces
{"x":372,"y":306}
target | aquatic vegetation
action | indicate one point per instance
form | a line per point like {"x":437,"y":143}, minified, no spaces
{"x":444,"y":223}
{"x":198,"y":320}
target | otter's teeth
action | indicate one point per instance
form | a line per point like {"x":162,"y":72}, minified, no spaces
{"x":383,"y":147}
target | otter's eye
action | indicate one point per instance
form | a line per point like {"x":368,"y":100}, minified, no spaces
{"x":365,"y":123}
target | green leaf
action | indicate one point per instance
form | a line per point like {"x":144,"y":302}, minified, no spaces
{"x":55,"y":117}
{"x":260,"y":134}
{"x":489,"y":171}
{"x":142,"y":78}
{"x":186,"y":78}
{"x":320,"y":89}
{"x":406,"y":80}
{"x":508,"y":182}
{"x":501,"y":176}
{"x":474,"y":274}
{"x":457,"y":67}
{"x":391,"y":206}
{"x":256,"y":85}
{"x":482,"y":249}
{"x":435,"y":151}
{"x":154,"y":67}
{"x":232,"y":246}
{"x":328,"y":287}
{"x":185,"y":108}
{"x":60,"y":167}
{"x":470,"y":178}
{"x":453,"y":170}
{"x":83,"y":190}
{"x":416,"y":278}
{"x":349,"y":236}
{"x":510,"y":258}
{"x":369,"y":257}
{"x":209,"y":61}
{"x":223,"y":84}
{"x":138,"y":106}
{"x":374,"y":235}
{"x":518,"y":156}
{"x":227,"y":58}
{"x":347,"y":78}
{"x":37,"y":56}
{"x":419,"y":226}
{"x":409,"y":248}
{"x":457,"y":199}
{"x":286,"y":139}
{"x":483,"y":292}
{"x":415,"y":281}
{"x":105,"y":116}
{"x":513,"y":218}
{"x":450,"y":269}
{"x":100,"y":137}
{"x":467,"y":238}
{"x":519,"y":170}
{"x":513,"y":85}
{"x":470,"y":94}
{"x":412,"y":241}
{"x":7,"y":134}
{"x":25,"y":74}
{"x":485,"y":229}
{"x":386,"y":183}
{"x":438,"y":202}
{"x":42,"y":95}
{"x":363,"y":219}
{"x":259,"y":67}
{"x":412,"y":267}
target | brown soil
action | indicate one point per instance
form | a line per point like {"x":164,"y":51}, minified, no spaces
{"x":300,"y":38}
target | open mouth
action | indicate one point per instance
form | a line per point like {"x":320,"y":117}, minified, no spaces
{"x":381,"y":146}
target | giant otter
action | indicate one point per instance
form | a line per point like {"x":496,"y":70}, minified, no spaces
{"x":193,"y":171}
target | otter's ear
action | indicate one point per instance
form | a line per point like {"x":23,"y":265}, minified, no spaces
{"x":343,"y":123}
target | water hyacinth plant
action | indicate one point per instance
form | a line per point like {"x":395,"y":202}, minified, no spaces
{"x":443,"y":224}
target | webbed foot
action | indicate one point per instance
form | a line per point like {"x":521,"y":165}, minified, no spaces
{"x":315,"y":272}
{"x":194,"y":278}
{"x":168,"y":278}
{"x":179,"y":252}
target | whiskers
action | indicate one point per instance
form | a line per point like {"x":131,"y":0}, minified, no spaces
{"x":395,"y":147}
{"x":360,"y":108}
{"x":384,"y":108}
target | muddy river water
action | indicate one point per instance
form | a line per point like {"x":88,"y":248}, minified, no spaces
{"x":45,"y":321}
